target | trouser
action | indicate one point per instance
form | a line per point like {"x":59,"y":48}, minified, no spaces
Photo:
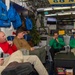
{"x":40,"y":52}
{"x":53,"y":51}
{"x":18,"y":56}
{"x":73,"y":51}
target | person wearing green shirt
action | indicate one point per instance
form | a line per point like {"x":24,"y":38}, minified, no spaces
{"x":72,"y":43}
{"x":57,"y":44}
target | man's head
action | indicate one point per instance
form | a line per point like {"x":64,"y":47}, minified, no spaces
{"x":21,"y":32}
{"x":2,"y":37}
{"x":56,"y":34}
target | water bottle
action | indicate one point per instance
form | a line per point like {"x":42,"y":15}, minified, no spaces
{"x":68,"y":49}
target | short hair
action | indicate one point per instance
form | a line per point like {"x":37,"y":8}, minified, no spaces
{"x":73,"y":33}
{"x":19,"y":30}
{"x":55,"y":32}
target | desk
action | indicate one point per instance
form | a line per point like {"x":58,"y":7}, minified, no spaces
{"x":65,"y":60}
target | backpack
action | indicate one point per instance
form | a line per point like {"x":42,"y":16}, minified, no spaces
{"x":4,"y":21}
{"x":17,"y":23}
{"x":14,"y":18}
{"x":11,"y":13}
{"x":6,"y":17}
{"x":15,"y":68}
{"x":3,"y":11}
{"x":28,"y":23}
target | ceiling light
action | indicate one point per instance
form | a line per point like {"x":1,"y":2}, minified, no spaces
{"x":60,"y":8}
{"x":23,"y":0}
{"x":73,"y":6}
{"x":51,"y":15}
{"x":46,"y":9}
{"x":73,"y":12}
{"x":40,"y":9}
{"x":65,"y":13}
{"x":59,"y":14}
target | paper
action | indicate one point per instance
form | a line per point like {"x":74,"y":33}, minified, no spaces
{"x":61,"y":32}
{"x":1,"y":50}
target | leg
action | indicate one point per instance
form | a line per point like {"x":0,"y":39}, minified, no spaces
{"x":16,"y":56}
{"x":40,"y":52}
{"x":37,"y":64}
{"x":42,"y":55}
{"x":35,"y":52}
{"x":6,"y":61}
{"x":4,"y":64}
{"x":73,"y":51}
{"x":2,"y":68}
{"x":52,"y":53}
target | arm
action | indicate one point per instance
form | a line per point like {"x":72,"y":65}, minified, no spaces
{"x":15,"y":41}
{"x":11,"y":49}
{"x":72,"y":45}
{"x":26,"y":45}
{"x":51,"y":42}
{"x":14,"y":48}
{"x":7,"y":48}
{"x":61,"y":42}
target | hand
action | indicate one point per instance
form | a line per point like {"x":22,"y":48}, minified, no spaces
{"x":57,"y":40}
{"x":1,"y":61}
{"x":10,"y":43}
{"x":32,"y":49}
{"x":54,"y":38}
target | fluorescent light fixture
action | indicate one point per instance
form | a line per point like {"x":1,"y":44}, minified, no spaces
{"x":73,"y":6}
{"x":65,"y":13}
{"x":47,"y":9}
{"x":51,"y":15}
{"x":40,"y":9}
{"x":23,"y":0}
{"x":60,"y":8}
{"x":73,"y":12}
{"x":44,"y":9}
{"x":59,"y":14}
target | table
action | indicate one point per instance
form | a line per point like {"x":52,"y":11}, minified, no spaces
{"x":65,"y":60}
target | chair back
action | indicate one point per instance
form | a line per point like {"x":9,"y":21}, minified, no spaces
{"x":10,"y":38}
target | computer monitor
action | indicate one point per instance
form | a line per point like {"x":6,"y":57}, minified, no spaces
{"x":51,"y":20}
